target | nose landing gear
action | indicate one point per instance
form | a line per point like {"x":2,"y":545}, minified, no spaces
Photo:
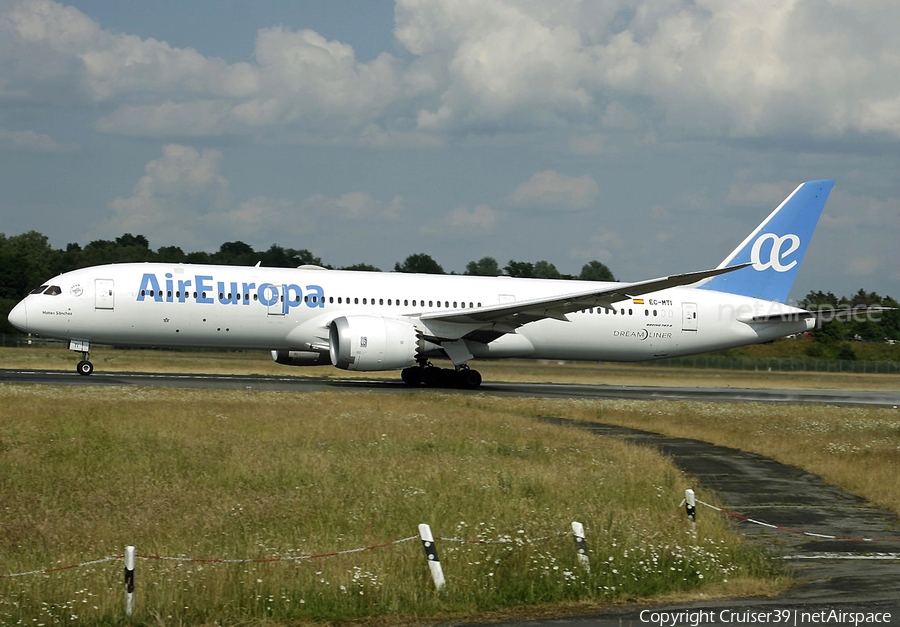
{"x":84,"y":367}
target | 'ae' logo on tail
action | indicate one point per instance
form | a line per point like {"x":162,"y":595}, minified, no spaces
{"x":776,"y":254}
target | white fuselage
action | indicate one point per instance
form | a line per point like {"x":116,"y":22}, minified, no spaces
{"x":151,"y":304}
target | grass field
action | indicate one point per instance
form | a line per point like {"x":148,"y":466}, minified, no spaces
{"x":84,"y":472}
{"x":210,"y":474}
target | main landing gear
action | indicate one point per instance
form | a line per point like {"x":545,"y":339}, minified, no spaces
{"x":432,"y":377}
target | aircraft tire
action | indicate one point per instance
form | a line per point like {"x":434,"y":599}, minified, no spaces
{"x":468,"y":379}
{"x":84,"y":367}
{"x":431,"y":377}
{"x":412,"y":376}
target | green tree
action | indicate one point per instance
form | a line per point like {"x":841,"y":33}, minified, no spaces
{"x":362,"y":267}
{"x":138,"y":241}
{"x":596,"y":271}
{"x":171,"y":254}
{"x":26,"y":261}
{"x":519,"y":269}
{"x":546,"y":270}
{"x":486,"y":266}
{"x":236,"y":253}
{"x":420,"y":263}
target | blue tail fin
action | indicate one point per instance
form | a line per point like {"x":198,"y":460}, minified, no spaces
{"x":776,"y":247}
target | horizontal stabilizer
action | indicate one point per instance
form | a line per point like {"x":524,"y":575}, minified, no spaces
{"x":821,"y":315}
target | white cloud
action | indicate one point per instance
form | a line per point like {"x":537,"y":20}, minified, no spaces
{"x":687,"y":68}
{"x":35,"y":142}
{"x":711,"y":67}
{"x":183,"y":200}
{"x":354,"y":206}
{"x":173,"y":199}
{"x":480,"y":220}
{"x":550,"y":188}
{"x":744,"y":193}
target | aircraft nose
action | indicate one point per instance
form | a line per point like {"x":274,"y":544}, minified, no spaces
{"x":18,"y":317}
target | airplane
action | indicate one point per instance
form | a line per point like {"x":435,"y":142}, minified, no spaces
{"x":363,"y":321}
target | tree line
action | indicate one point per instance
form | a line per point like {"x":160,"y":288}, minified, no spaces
{"x":28,"y":259}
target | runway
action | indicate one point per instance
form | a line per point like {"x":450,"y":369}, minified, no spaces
{"x":540,"y":390}
{"x":848,"y":576}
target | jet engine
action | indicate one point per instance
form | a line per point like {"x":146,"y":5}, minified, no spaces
{"x":372,"y":343}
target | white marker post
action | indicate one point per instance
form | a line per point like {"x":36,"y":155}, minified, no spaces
{"x":437,"y":573}
{"x":581,"y":546}
{"x":690,"y":505}
{"x":129,"y":580}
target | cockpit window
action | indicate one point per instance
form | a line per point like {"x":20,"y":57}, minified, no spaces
{"x":38,"y":290}
{"x":53,"y":290}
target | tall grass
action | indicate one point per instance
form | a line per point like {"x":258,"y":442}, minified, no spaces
{"x":84,"y":472}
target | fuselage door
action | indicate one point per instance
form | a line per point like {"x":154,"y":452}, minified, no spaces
{"x":104,"y":294}
{"x":688,"y":316}
{"x":275,"y":298}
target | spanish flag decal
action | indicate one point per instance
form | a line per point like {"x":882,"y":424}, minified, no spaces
{"x":638,"y":301}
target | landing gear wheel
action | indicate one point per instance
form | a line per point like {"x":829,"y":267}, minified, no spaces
{"x":412,"y":376}
{"x":431,"y":377}
{"x":468,"y":379}
{"x":84,"y":367}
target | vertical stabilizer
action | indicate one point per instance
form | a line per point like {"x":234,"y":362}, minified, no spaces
{"x":776,"y":247}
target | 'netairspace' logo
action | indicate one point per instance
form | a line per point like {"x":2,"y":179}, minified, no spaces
{"x":200,"y":290}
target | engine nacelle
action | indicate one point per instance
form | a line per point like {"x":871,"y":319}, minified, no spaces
{"x":372,"y":343}
{"x":300,"y":358}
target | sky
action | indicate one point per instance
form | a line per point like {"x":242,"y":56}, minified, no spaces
{"x":650,"y":135}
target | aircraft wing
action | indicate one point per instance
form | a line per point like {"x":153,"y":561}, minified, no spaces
{"x":505,"y":317}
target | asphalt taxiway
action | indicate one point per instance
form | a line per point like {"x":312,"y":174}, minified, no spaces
{"x":889,"y":398}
